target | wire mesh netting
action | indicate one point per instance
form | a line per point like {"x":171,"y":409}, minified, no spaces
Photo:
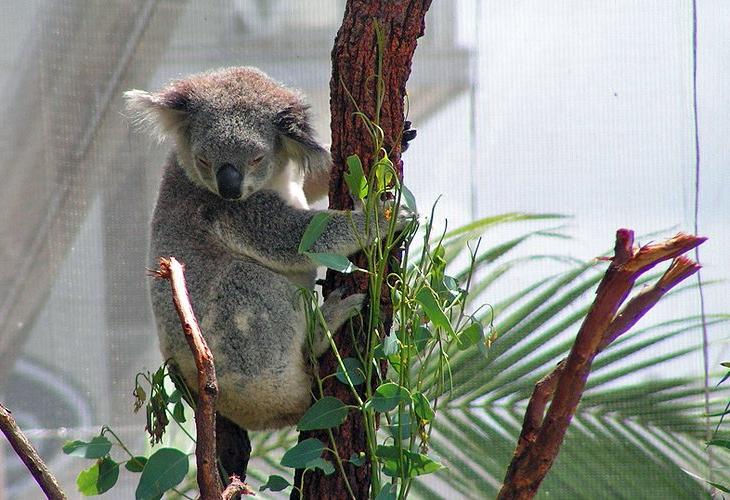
{"x":578,"y":108}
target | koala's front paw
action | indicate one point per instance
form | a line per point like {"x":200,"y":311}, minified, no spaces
{"x":336,"y":312}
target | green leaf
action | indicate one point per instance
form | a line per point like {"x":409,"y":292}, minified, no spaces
{"x":355,"y":178}
{"x":421,"y":336}
{"x":178,"y":412}
{"x":408,"y":200}
{"x":175,"y":397}
{"x":96,"y":448}
{"x":275,"y":483}
{"x":387,"y":492}
{"x":339,"y":263}
{"x":384,"y":173}
{"x":136,"y":464}
{"x":388,"y":347}
{"x":472,"y":335}
{"x":165,"y":469}
{"x":357,"y":459}
{"x":301,"y":454}
{"x":98,"y":478}
{"x":404,"y":463}
{"x":389,"y":395}
{"x":326,"y":413}
{"x":401,"y":426}
{"x":354,"y":370}
{"x":422,"y":407}
{"x":433,"y":310}
{"x":322,"y":464}
{"x":314,"y":230}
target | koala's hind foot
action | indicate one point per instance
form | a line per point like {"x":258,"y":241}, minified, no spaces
{"x":336,"y":312}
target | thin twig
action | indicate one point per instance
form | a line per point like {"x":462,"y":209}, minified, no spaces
{"x":236,"y":487}
{"x":29,"y":456}
{"x":541,"y":437}
{"x":205,"y":454}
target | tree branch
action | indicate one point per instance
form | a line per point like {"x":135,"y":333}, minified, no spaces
{"x":205,"y":418}
{"x":541,"y":437}
{"x":27,"y":453}
{"x":235,"y":487}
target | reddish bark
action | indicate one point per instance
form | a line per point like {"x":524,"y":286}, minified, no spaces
{"x":205,"y":454}
{"x":354,"y":67}
{"x":541,"y":437}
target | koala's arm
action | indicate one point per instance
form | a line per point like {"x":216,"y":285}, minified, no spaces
{"x":268,"y":230}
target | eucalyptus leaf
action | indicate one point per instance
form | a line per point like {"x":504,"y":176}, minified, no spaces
{"x":322,"y":464}
{"x":314,"y":230}
{"x":387,"y":492}
{"x":165,"y":469}
{"x":135,"y":464}
{"x":400,"y":428}
{"x":300,"y":455}
{"x":408,"y":200}
{"x":275,"y":483}
{"x":389,"y":395}
{"x":472,"y":335}
{"x":326,"y":413}
{"x":98,"y":447}
{"x":339,"y":263}
{"x":355,"y":178}
{"x":433,"y":310}
{"x":422,"y":407}
{"x":357,"y":459}
{"x":178,"y":412}
{"x":98,"y":478}
{"x":354,"y":370}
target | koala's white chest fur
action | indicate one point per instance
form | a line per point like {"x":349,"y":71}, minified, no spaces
{"x":288,"y":183}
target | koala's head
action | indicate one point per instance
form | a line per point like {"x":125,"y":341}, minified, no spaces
{"x":235,"y":129}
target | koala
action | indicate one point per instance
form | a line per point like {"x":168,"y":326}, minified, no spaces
{"x":232,"y":207}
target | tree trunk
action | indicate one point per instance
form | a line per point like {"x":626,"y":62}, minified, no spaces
{"x":354,"y":66}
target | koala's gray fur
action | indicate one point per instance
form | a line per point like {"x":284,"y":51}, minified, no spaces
{"x":242,"y":266}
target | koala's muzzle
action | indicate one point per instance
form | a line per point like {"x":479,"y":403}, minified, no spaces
{"x":229,"y":181}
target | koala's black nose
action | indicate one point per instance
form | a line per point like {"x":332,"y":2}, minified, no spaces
{"x":229,"y":181}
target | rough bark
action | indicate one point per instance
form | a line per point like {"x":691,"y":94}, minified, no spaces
{"x":354,"y":67}
{"x":543,"y":433}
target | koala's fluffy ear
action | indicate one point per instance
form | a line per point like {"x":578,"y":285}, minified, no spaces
{"x":298,"y":141}
{"x":165,"y":111}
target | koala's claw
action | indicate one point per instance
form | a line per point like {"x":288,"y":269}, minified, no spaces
{"x":407,"y":136}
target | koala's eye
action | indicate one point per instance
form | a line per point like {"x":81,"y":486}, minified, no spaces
{"x":257,"y":160}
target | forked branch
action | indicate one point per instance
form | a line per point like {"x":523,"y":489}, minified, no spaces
{"x":543,"y":433}
{"x":205,"y":449}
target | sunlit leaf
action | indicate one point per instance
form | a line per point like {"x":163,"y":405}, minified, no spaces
{"x":98,"y":478}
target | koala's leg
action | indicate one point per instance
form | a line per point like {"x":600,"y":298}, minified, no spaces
{"x":336,"y":312}
{"x":233,"y":448}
